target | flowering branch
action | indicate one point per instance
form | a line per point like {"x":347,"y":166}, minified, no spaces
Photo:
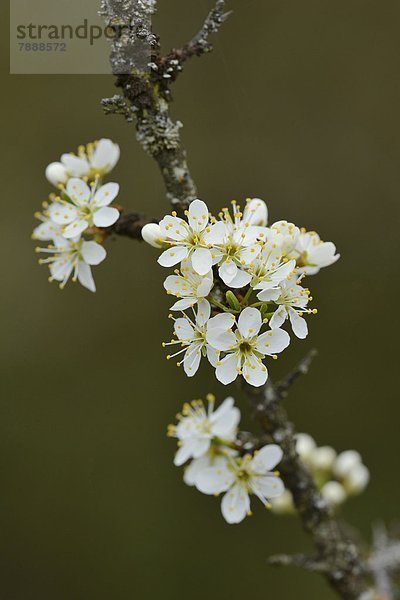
{"x":239,"y":283}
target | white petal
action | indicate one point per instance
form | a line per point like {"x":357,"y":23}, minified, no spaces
{"x":212,"y":355}
{"x":172,"y":256}
{"x":191,"y":361}
{"x":269,"y":294}
{"x":76,"y":167}
{"x":266,"y":459}
{"x":46,"y":231}
{"x":106,"y":194}
{"x":198,"y":215}
{"x":192,"y":471}
{"x":216,"y":235}
{"x":241,"y":279}
{"x":203,"y":312}
{"x":105,"y":155}
{"x":283,"y":271}
{"x":299,"y":325}
{"x":222,"y":321}
{"x":105,"y":217}
{"x":75,"y":229}
{"x":267,"y":487}
{"x":202,"y":261}
{"x":227,"y":370}
{"x":61,"y":270}
{"x":62,"y":214}
{"x":205,"y":286}
{"x":93,"y":253}
{"x":184,"y":304}
{"x":221,"y":340}
{"x":278,"y":318}
{"x":225,"y":425}
{"x":78,"y":191}
{"x":227,"y":271}
{"x":215,"y":479}
{"x":255,"y":372}
{"x":248,"y":255}
{"x":235,"y":504}
{"x":183,"y":454}
{"x":273,"y":342}
{"x":85,"y":276}
{"x":249,"y":323}
{"x":173,"y":228}
{"x":183,"y":329}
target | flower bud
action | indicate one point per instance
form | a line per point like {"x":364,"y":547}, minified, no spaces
{"x":333,"y":493}
{"x":305,"y":445}
{"x":357,"y":479}
{"x":232,"y":301}
{"x":345,"y":462}
{"x":56,"y":173}
{"x":323,"y":458}
{"x":283,"y":504}
{"x":151,"y":233}
{"x":258,"y":211}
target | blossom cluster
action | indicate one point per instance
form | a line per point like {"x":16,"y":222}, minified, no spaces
{"x":238,"y":283}
{"x":208,"y":438}
{"x":72,"y":219}
{"x":337,"y":476}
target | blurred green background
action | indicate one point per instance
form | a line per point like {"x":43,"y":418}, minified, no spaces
{"x":299,"y":105}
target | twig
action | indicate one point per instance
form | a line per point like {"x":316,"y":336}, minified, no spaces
{"x":130,"y":224}
{"x":147,"y":93}
{"x":301,"y":369}
{"x":343,"y":566}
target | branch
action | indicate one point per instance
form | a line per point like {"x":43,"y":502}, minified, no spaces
{"x":130,"y":224}
{"x":200,"y":44}
{"x":301,"y":369}
{"x":337,"y":556}
{"x":384,"y":562}
{"x":146,"y":88}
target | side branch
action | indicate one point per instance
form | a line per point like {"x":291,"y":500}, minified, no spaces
{"x":130,"y":224}
{"x":146,"y":88}
{"x":337,"y":557}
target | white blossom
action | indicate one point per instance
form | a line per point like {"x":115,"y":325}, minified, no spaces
{"x":245,"y":348}
{"x":292,"y":304}
{"x":283,"y":236}
{"x":198,"y":428}
{"x":188,"y":285}
{"x":73,"y":258}
{"x":192,"y":335}
{"x":88,"y":206}
{"x":236,"y":243}
{"x":188,"y":239}
{"x":47,"y":230}
{"x":93,"y":161}
{"x":241,"y":476}
{"x":312,"y":254}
